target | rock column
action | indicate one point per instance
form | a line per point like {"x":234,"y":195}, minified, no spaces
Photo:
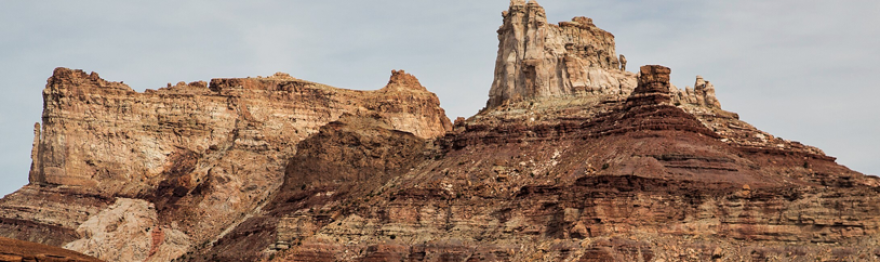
{"x":653,"y":87}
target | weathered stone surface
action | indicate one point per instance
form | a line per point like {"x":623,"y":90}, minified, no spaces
{"x":12,"y":250}
{"x":82,"y":108}
{"x":48,"y":215}
{"x":540,"y":60}
{"x":703,"y":94}
{"x":607,"y":179}
{"x":642,"y":182}
{"x":653,"y":88}
{"x":129,"y":230}
{"x":204,"y":155}
{"x":346,"y":162}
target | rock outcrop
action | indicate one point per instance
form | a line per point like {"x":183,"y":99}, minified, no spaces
{"x":180,"y":155}
{"x":702,"y":94}
{"x":573,"y":159}
{"x":541,"y":60}
{"x":653,"y":88}
{"x":12,"y":250}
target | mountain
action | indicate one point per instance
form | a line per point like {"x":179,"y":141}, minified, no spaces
{"x":574,"y":158}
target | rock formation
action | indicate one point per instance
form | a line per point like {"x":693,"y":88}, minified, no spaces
{"x":653,"y":88}
{"x":12,"y":250}
{"x":175,"y":157}
{"x":540,"y":60}
{"x":703,"y":94}
{"x":573,"y":159}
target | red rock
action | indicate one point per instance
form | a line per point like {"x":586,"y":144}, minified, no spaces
{"x":12,"y":250}
{"x":653,"y":88}
{"x":625,"y":168}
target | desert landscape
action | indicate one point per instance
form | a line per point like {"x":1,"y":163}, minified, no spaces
{"x":576,"y":156}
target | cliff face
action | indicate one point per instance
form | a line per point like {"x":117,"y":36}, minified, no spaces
{"x":540,"y":60}
{"x":12,"y":250}
{"x":179,"y":156}
{"x":573,"y":159}
{"x":87,"y":118}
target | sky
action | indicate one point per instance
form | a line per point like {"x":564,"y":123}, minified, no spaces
{"x":803,"y":70}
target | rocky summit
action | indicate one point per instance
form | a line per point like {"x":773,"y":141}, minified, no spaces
{"x":574,"y":158}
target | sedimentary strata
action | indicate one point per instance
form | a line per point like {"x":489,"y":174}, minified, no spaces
{"x":572,"y":159}
{"x":190,"y":160}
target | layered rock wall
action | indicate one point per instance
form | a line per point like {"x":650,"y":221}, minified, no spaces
{"x":195,"y":152}
{"x":638,"y":180}
{"x":93,"y":128}
{"x":12,"y":250}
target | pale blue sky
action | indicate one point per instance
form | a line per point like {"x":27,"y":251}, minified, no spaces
{"x":800,"y":69}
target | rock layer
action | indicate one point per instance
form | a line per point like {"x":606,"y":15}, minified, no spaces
{"x":637,"y":179}
{"x":653,"y":88}
{"x":12,"y":250}
{"x":196,"y":152}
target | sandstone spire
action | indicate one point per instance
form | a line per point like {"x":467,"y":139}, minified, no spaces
{"x":537,"y":59}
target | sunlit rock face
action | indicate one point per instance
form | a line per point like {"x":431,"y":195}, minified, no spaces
{"x":192,"y":153}
{"x":540,"y":60}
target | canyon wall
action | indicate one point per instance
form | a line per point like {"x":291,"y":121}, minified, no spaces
{"x":193,"y":158}
{"x":93,"y":129}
